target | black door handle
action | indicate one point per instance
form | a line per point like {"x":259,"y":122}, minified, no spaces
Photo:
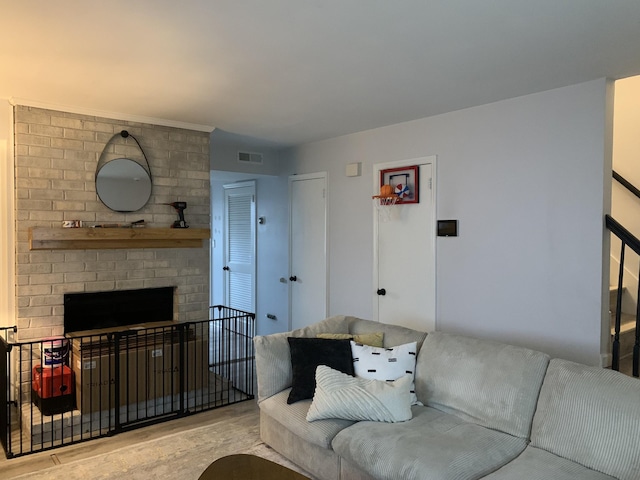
{"x":225,"y":268}
{"x":381,"y":291}
{"x":293,"y":278}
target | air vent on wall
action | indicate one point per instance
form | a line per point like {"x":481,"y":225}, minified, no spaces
{"x":249,"y":157}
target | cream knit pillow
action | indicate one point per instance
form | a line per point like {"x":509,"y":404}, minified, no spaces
{"x":339,"y":395}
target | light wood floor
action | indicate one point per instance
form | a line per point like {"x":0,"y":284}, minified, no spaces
{"x":38,"y":461}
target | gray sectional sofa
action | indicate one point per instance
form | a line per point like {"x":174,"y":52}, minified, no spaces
{"x":490,"y":410}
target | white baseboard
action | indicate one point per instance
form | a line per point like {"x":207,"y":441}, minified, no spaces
{"x":606,"y":359}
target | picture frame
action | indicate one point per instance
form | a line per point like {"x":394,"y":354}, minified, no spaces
{"x":404,"y":181}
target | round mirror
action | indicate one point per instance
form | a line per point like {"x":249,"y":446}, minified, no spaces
{"x":123,"y":185}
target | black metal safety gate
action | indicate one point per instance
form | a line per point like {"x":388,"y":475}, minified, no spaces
{"x":60,"y":391}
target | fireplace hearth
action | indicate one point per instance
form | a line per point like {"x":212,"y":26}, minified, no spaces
{"x":119,"y":308}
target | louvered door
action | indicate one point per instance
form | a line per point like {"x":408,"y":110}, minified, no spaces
{"x":240,"y":246}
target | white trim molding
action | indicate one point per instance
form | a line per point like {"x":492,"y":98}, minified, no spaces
{"x":8,"y":232}
{"x":606,"y":360}
{"x":111,"y":115}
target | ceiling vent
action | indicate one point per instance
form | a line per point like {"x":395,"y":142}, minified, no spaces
{"x":249,"y":157}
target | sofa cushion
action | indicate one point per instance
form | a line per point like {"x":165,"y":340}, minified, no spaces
{"x":319,"y":462}
{"x":489,"y":383}
{"x":433,"y":445}
{"x":536,"y":464}
{"x":385,"y":363}
{"x":591,"y":416}
{"x":307,"y":354}
{"x":375,"y":339}
{"x":294,"y":418}
{"x":273,"y":360}
{"x":341,"y":396}
{"x":393,"y":334}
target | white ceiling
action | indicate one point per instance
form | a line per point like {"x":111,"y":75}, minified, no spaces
{"x":293,"y":71}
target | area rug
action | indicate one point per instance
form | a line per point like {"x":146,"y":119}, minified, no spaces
{"x":183,"y":455}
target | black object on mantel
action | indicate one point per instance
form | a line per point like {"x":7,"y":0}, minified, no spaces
{"x":447,"y":228}
{"x":120,"y":308}
{"x":179,"y":206}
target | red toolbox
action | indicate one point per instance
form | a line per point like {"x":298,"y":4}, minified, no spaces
{"x":52,"y":388}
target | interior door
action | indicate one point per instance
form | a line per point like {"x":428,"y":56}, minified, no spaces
{"x":404,"y":255}
{"x":308,"y":252}
{"x":240,"y":246}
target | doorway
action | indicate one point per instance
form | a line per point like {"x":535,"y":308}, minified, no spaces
{"x":240,"y":246}
{"x":307,"y":249}
{"x":404,"y":283}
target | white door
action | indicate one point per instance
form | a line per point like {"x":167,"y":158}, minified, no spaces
{"x":308,"y":252}
{"x":240,"y":246}
{"x":404,"y":254}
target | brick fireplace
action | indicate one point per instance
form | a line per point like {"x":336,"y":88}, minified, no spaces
{"x":56,"y":155}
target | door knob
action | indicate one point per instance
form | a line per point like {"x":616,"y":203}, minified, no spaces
{"x":293,"y":278}
{"x":225,"y":268}
{"x":381,"y":291}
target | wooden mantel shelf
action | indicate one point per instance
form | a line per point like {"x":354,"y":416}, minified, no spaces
{"x":108,"y":238}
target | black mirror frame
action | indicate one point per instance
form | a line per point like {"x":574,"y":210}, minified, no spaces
{"x":103,"y":161}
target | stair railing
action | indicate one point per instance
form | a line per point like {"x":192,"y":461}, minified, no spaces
{"x":627,"y":239}
{"x":625,"y":183}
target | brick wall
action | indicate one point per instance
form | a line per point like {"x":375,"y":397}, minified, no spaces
{"x":56,"y":155}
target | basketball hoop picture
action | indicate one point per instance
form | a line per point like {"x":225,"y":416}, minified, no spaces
{"x":403,"y":182}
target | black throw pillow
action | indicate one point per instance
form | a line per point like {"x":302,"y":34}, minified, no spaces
{"x":307,"y":354}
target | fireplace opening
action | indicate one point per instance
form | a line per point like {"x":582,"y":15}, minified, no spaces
{"x":120,"y":308}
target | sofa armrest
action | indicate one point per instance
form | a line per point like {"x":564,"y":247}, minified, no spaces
{"x":591,"y":416}
{"x":273,"y":364}
{"x":273,"y":358}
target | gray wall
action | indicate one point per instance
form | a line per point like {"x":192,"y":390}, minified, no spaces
{"x":526,"y":179}
{"x":271,"y":179}
{"x":224,"y":154}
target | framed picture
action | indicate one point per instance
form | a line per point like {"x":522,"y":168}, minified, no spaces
{"x":404,"y":181}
